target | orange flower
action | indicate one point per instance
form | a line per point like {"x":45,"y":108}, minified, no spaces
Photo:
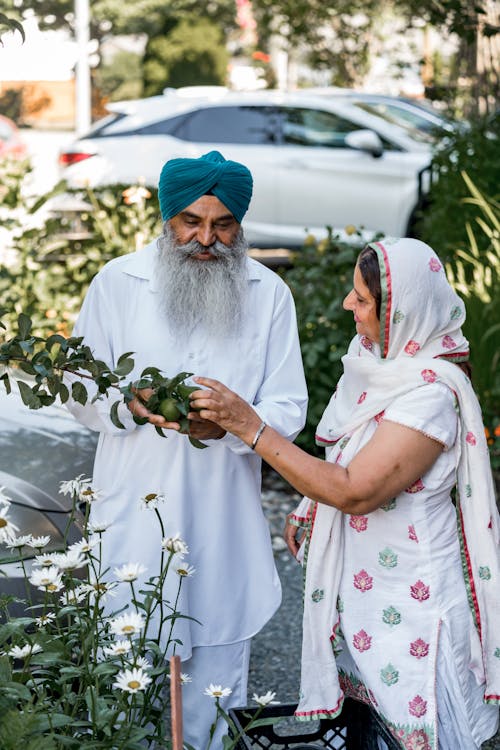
{"x":497,"y":430}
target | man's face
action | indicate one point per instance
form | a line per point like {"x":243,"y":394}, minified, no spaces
{"x":206,"y":221}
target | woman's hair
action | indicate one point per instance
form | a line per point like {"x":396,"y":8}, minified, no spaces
{"x":370,"y":271}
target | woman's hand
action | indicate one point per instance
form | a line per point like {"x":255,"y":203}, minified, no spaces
{"x":224,"y":407}
{"x":293,"y":536}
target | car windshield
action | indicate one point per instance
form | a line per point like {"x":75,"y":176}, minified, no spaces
{"x":419,"y":127}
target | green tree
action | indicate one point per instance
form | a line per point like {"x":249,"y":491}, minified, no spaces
{"x":192,"y":53}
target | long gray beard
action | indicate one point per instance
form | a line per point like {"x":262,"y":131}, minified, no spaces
{"x":199,"y":293}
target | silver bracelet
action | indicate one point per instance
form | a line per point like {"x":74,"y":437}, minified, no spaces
{"x":259,"y":432}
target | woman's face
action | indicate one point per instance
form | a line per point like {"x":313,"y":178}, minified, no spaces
{"x":361,"y":302}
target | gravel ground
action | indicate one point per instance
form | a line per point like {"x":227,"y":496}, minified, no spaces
{"x":275,"y":659}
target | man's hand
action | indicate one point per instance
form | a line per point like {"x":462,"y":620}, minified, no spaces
{"x":138,"y":408}
{"x":203,"y":429}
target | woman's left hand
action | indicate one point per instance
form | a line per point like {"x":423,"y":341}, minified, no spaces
{"x":224,"y":407}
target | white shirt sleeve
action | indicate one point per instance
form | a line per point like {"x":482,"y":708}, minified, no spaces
{"x":430,"y":409}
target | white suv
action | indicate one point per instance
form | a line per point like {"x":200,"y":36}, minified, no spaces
{"x":315,"y":162}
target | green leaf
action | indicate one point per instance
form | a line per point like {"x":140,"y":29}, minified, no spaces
{"x":27,"y":395}
{"x":160,"y":432}
{"x":24,"y":325}
{"x":79,"y":393}
{"x":197,"y":443}
{"x":114,"y":415}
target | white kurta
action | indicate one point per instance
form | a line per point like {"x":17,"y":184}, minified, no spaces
{"x":213,"y":495}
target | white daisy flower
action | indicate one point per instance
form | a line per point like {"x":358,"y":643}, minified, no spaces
{"x":47,"y":579}
{"x":45,"y":619}
{"x":141,"y":663}
{"x":21,"y":652}
{"x":127,"y":624}
{"x":119,"y":648}
{"x":18,"y":541}
{"x":101,"y":589}
{"x":184,"y":570}
{"x":84,"y":546}
{"x":38,"y":542}
{"x":217,"y":691}
{"x":47,"y":560}
{"x":98,"y":527}
{"x":75,"y":486}
{"x":73,"y":596}
{"x":8,"y":530}
{"x":89,"y":495}
{"x":71,"y":560}
{"x":175,"y":544}
{"x":184,"y":678}
{"x":132,"y":680}
{"x":265,"y":700}
{"x":129,"y":572}
{"x":152,"y":500}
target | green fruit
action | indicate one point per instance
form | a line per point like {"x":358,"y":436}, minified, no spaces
{"x":168,"y":409}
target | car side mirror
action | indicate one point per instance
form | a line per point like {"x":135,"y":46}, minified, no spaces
{"x":365,"y":140}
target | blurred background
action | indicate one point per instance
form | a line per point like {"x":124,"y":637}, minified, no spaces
{"x":357,"y":119}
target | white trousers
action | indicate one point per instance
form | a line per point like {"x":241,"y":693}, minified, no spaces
{"x":226,"y":666}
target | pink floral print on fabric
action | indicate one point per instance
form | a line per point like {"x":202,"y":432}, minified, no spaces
{"x":379,"y":417}
{"x":412,"y":347}
{"x":362,"y":641}
{"x":471,"y":438}
{"x":448,"y":342}
{"x":429,"y":376}
{"x":362,"y":397}
{"x":412,"y":534}
{"x":419,"y":648}
{"x":435,"y":265}
{"x":417,"y":706}
{"x":417,"y":740}
{"x":417,"y":486}
{"x":358,"y":523}
{"x":367,"y":343}
{"x":362,"y":581}
{"x":420,"y":591}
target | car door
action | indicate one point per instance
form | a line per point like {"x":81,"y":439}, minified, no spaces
{"x":248,"y":134}
{"x":322,"y":181}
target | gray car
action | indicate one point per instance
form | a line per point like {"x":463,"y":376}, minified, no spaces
{"x":38,"y":450}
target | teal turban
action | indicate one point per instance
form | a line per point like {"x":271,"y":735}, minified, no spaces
{"x":183,"y":181}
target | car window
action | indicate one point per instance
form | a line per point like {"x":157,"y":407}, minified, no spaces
{"x":314,"y":127}
{"x":168,"y":126}
{"x":105,"y":126}
{"x":238,"y":124}
{"x":418,"y":127}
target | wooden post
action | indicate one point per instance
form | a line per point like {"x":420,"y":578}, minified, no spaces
{"x":176,"y":702}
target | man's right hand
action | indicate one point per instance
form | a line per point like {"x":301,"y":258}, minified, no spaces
{"x":139,"y":409}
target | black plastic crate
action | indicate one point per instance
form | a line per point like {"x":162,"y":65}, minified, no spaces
{"x":357,"y":727}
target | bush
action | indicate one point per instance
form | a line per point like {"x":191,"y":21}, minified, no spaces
{"x":476,"y":151}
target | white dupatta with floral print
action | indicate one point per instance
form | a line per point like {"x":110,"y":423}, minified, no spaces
{"x":421,"y":318}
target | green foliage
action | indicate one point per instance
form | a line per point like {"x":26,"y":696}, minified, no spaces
{"x":320,"y":278}
{"x":121,"y":77}
{"x":475,"y":274}
{"x":192,"y":53}
{"x":51,"y":263}
{"x":475,"y":151}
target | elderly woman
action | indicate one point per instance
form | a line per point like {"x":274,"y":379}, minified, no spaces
{"x":402,"y":605}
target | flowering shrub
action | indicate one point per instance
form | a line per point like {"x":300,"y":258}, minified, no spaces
{"x":73,"y":672}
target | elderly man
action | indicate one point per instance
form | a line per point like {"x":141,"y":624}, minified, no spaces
{"x":193,"y":300}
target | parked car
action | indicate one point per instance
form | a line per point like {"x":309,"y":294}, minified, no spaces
{"x":418,"y":117}
{"x":38,"y":450}
{"x":11,"y":142}
{"x":316,"y":161}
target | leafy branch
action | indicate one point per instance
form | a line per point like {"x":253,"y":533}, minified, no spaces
{"x":47,"y":360}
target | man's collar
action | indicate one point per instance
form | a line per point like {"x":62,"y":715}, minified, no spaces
{"x":141,"y":265}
